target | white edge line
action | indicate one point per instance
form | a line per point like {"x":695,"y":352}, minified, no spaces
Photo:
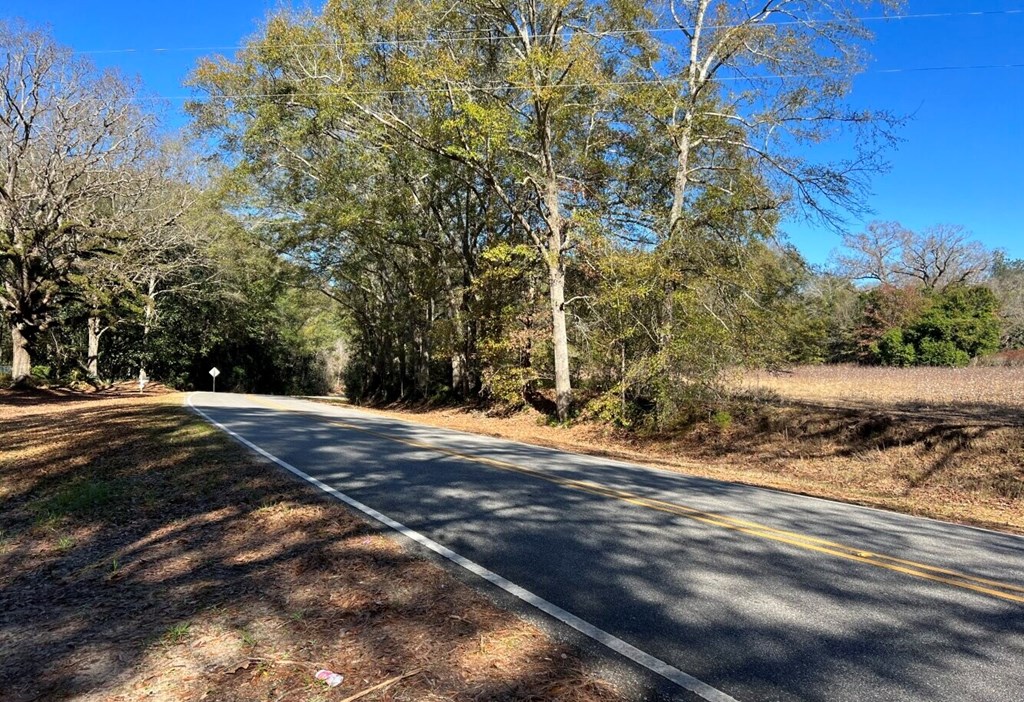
{"x":655,"y":665}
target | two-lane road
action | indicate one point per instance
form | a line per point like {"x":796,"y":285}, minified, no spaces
{"x":733,"y":591}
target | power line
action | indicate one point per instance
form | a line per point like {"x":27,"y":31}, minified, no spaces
{"x":567,"y":86}
{"x":601,"y":34}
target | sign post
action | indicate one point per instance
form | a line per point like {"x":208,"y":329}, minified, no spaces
{"x":214,"y":373}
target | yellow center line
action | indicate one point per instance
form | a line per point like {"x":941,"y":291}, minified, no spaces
{"x":994,"y":588}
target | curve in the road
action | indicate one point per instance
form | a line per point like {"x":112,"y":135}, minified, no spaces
{"x":987,"y":586}
{"x":651,"y":663}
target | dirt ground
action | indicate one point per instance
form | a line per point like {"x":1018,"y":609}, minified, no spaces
{"x":143,"y":555}
{"x":942,"y":443}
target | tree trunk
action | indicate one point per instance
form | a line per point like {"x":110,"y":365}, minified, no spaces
{"x":149,"y":317}
{"x":93,"y":361}
{"x":681,"y":181}
{"x":21,"y":364}
{"x":560,"y":341}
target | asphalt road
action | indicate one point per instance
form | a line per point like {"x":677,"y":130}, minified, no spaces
{"x":746,"y":593}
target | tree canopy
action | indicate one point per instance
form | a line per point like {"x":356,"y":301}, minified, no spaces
{"x":573,"y":204}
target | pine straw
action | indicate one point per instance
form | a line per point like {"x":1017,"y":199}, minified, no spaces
{"x":143,"y":555}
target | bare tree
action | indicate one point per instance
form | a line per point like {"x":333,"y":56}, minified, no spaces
{"x":70,"y":139}
{"x":747,"y":83}
{"x":934,"y":259}
{"x":943,"y":255}
{"x":874,"y":253}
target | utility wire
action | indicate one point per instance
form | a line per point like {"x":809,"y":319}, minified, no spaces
{"x":598,"y":34}
{"x":594,"y":84}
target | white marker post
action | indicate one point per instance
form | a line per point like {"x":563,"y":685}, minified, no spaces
{"x":214,"y":373}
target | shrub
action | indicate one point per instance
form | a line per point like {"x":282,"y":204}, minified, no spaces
{"x":722,"y":419}
{"x":893,"y":350}
{"x":942,"y":353}
{"x":961,"y":318}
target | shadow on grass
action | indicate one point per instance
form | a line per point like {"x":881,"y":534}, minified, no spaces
{"x":179,"y":541}
{"x":135,"y":540}
{"x":750,"y":616}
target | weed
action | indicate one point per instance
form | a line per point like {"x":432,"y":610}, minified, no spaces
{"x":177,"y":633}
{"x":722,"y":419}
{"x":79,"y":499}
{"x":65,"y":543}
{"x":248,"y":639}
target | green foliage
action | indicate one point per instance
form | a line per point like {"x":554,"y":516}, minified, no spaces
{"x":932,"y":352}
{"x":893,"y":350}
{"x":962,"y":318}
{"x":447,"y":221}
{"x":722,"y":419}
{"x":610,"y":408}
{"x":954,"y":326}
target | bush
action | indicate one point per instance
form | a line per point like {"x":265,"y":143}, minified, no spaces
{"x":964,"y":319}
{"x":893,"y":350}
{"x":722,"y":419}
{"x":942,"y":353}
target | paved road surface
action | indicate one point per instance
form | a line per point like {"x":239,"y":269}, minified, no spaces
{"x":756,"y":594}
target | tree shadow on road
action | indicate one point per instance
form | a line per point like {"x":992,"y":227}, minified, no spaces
{"x":142,"y":553}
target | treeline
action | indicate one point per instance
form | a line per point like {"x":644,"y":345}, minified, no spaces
{"x":117,"y":260}
{"x":571,"y":203}
{"x":515,"y":196}
{"x":892,"y":296}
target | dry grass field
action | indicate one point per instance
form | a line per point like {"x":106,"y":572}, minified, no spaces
{"x":978,"y":393}
{"x":144,"y":555}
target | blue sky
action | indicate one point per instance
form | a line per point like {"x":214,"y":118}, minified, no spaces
{"x":961,"y":160}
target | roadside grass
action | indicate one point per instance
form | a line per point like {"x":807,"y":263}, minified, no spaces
{"x":934,"y":442}
{"x":82,"y":497}
{"x":144,"y":555}
{"x":177,"y":633}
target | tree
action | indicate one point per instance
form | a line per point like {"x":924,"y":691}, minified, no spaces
{"x":960,"y":323}
{"x":724,"y":111}
{"x":936,"y":258}
{"x":882,"y":309}
{"x":744,"y":87}
{"x":509,"y":91}
{"x":918,"y":326}
{"x":70,"y":139}
{"x":1007,"y":282}
{"x":390,"y":147}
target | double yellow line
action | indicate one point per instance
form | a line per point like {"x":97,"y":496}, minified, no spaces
{"x":994,"y":588}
